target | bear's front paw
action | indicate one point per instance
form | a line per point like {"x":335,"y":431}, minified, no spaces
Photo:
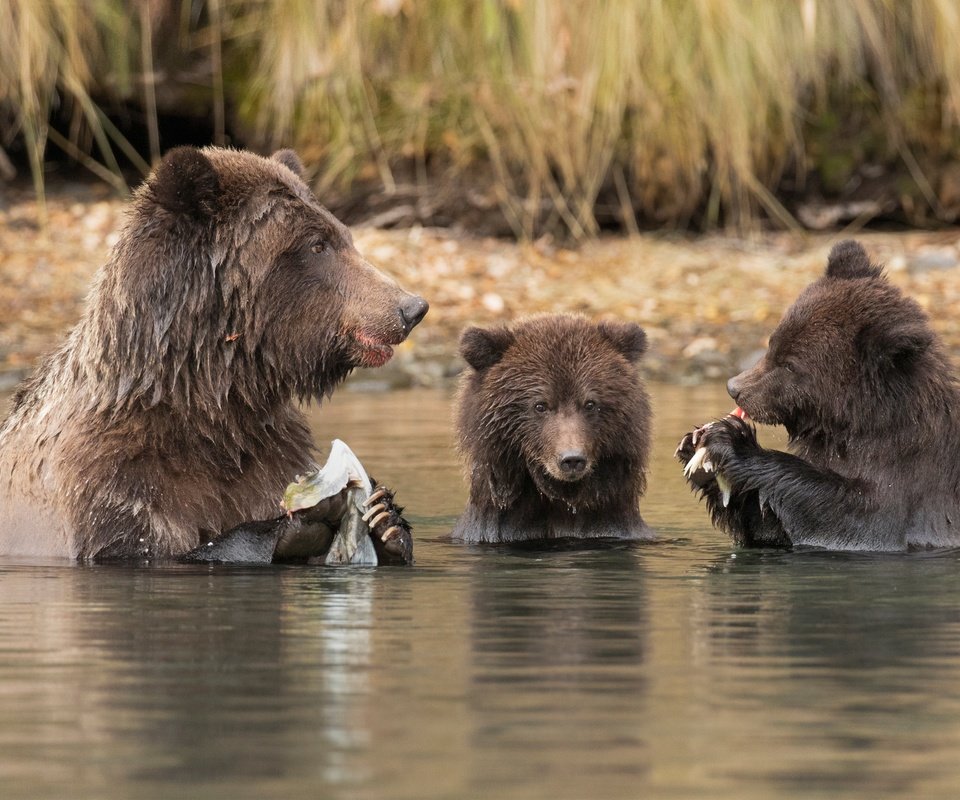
{"x":690,"y":453}
{"x":390,"y":532}
{"x":709,"y":451}
{"x":727,"y":441}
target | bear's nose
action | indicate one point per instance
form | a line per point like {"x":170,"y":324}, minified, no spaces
{"x":733,"y":387}
{"x":412,"y":310}
{"x":572,"y":462}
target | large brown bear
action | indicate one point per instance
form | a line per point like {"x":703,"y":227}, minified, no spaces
{"x":168,"y":414}
{"x":871,"y":403}
{"x":554,"y":428}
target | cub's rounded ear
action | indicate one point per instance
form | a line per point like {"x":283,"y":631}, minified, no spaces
{"x":481,"y":348}
{"x":889,"y":345}
{"x":185,"y":182}
{"x":290,"y":160}
{"x":848,"y":259}
{"x":627,"y":337}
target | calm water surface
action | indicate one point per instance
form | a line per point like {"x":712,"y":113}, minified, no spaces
{"x":677,"y":669}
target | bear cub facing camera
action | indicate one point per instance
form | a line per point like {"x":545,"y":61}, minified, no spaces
{"x":870,"y":402}
{"x":553,"y":425}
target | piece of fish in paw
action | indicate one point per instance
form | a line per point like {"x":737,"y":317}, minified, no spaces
{"x":352,"y":543}
{"x":329,"y":511}
{"x":696,"y":462}
{"x":725,"y":489}
{"x":311,"y":530}
{"x":341,"y":469}
{"x":700,"y":469}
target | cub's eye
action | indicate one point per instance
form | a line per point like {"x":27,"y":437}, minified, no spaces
{"x":540,"y":407}
{"x":319,"y":247}
{"x":590,"y":405}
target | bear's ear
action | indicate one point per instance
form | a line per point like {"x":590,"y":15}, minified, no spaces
{"x":481,"y":348}
{"x":848,"y":259}
{"x":290,"y":160}
{"x":897,"y":346}
{"x":627,"y":337}
{"x":185,"y":182}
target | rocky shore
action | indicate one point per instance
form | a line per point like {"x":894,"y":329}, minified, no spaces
{"x":707,"y":302}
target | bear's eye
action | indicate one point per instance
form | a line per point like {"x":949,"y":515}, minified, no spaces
{"x":540,"y":407}
{"x":590,"y":405}
{"x":319,"y":247}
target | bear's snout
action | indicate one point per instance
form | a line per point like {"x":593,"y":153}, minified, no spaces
{"x":735,"y":386}
{"x":573,"y":464}
{"x":412,"y":310}
{"x":567,"y":457}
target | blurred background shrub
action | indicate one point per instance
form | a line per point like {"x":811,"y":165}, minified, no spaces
{"x":561,"y":116}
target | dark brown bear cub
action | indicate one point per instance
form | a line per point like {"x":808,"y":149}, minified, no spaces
{"x":170,"y":412}
{"x":870,"y":402}
{"x":554,"y":428}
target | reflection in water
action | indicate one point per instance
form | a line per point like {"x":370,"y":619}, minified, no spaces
{"x":846,"y":647}
{"x":187,"y":675}
{"x":675,"y":669}
{"x":558,"y":657}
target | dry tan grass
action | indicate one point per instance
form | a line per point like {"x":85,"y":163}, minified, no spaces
{"x":686,"y":109}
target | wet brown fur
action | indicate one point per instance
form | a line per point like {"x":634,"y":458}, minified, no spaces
{"x":861,"y":382}
{"x":539,"y":389}
{"x":168,"y":413}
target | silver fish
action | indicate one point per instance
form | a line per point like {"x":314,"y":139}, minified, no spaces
{"x":343,"y":470}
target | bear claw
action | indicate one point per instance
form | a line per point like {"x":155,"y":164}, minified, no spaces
{"x":381,"y":492}
{"x":384,"y":514}
{"x":372,"y":512}
{"x":394,"y":543}
{"x":389,"y":533}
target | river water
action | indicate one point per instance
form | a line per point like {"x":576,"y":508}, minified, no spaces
{"x":677,"y":669}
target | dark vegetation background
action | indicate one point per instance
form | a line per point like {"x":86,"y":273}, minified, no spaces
{"x":519,"y":116}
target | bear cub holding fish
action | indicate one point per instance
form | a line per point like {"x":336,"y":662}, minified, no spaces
{"x":862,"y":384}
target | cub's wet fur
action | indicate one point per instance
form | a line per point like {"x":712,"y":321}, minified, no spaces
{"x":553,"y":426}
{"x":861,"y":382}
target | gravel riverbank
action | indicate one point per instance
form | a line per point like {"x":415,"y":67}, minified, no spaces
{"x":708,"y":303}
